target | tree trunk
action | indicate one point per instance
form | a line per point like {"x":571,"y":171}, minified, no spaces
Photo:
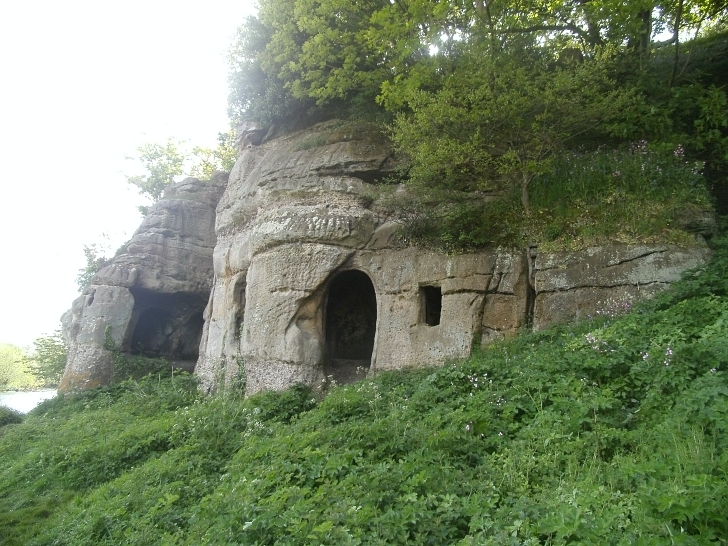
{"x":640,"y":42}
{"x":676,"y":38}
{"x":525,"y":200}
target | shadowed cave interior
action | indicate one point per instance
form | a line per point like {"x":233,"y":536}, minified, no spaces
{"x":350,"y":326}
{"x":167,"y":325}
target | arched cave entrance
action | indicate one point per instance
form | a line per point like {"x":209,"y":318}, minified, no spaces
{"x":167,"y":325}
{"x":351,"y":324}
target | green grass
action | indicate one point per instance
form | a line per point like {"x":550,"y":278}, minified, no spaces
{"x":606,"y":432}
{"x":629,"y":196}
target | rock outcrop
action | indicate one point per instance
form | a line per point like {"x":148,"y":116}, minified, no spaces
{"x":151,"y":297}
{"x":308,"y":282}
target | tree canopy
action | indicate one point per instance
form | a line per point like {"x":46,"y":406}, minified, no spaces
{"x":15,"y":372}
{"x":486,"y":94}
{"x":163,"y":162}
{"x":299,"y":52}
{"x":41,"y":367}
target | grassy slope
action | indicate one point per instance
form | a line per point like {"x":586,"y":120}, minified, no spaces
{"x":611,"y":432}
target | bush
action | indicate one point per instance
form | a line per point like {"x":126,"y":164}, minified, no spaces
{"x":9,"y":416}
{"x":49,"y":358}
{"x":15,"y":371}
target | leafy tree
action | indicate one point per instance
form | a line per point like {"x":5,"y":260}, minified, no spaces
{"x":95,"y":261}
{"x":162,"y":162}
{"x":325,"y":56}
{"x":486,"y":94}
{"x":49,"y":358}
{"x":210,"y":160}
{"x":323,"y":50}
{"x":15,"y":373}
{"x":254,"y":92}
{"x":493,"y":126}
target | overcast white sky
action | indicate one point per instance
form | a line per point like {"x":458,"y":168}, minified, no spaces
{"x":82,"y":84}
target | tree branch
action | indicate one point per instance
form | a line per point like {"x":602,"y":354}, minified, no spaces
{"x":537,"y":28}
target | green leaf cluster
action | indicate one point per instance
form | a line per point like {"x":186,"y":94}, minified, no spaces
{"x":48,"y":358}
{"x":41,"y":367}
{"x":164,"y":163}
{"x":95,"y":262}
{"x":208,"y":161}
{"x":15,"y":371}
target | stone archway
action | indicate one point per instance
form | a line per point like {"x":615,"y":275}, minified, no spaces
{"x":350,"y":326}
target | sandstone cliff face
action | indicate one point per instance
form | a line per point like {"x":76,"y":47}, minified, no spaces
{"x":309,"y":283}
{"x":152,"y":296}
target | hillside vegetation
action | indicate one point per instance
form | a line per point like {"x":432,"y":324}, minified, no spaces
{"x":612,"y":431}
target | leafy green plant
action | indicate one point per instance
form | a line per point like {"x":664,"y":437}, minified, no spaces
{"x":162,"y":163}
{"x":129,"y":366}
{"x":8,"y":416}
{"x":49,"y":358}
{"x":15,"y":371}
{"x":95,"y":262}
{"x":634,"y":195}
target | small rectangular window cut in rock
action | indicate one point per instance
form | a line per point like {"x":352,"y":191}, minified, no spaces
{"x":431,"y":302}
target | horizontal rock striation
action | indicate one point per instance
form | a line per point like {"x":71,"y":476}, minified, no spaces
{"x":605,"y":280}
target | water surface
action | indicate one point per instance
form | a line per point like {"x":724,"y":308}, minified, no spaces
{"x":24,"y":401}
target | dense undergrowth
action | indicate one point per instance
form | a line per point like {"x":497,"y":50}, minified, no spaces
{"x":612,"y":431}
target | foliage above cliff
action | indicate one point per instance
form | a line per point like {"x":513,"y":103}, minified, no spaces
{"x":317,"y":51}
{"x":613,"y":431}
{"x":485,"y":96}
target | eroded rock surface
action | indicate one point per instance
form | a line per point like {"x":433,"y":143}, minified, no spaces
{"x":605,"y":280}
{"x":310,"y":285}
{"x":307,"y":281}
{"x":151,"y":297}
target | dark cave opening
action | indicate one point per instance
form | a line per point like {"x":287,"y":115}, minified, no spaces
{"x":151,"y":332}
{"x":167,"y":325}
{"x":351,"y":325}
